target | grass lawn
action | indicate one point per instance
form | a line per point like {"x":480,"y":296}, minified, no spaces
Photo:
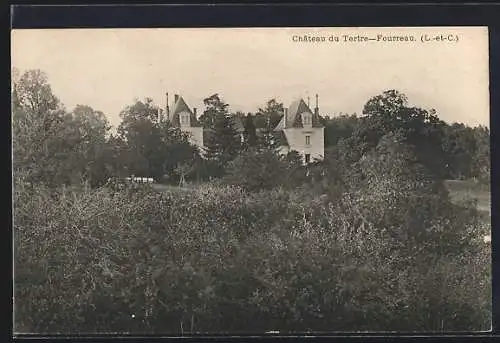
{"x":172,"y":188}
{"x":460,"y":190}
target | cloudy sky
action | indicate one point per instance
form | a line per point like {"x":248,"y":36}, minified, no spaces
{"x":108,"y":68}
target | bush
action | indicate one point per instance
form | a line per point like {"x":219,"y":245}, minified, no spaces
{"x":220,"y":259}
{"x":257,"y":170}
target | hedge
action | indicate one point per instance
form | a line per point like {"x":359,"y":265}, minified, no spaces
{"x":217,"y":259}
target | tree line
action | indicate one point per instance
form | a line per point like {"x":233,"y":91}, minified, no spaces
{"x":55,"y":146}
{"x":451,"y":151}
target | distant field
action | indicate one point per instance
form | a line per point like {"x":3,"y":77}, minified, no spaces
{"x":164,"y":188}
{"x":460,"y":190}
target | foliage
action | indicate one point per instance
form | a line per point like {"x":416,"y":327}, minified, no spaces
{"x":223,"y":140}
{"x":467,"y":152}
{"x":448,"y":151}
{"x":92,"y":129}
{"x":214,"y":106}
{"x":50,"y":145}
{"x":481,"y":161}
{"x":367,"y":239}
{"x":153,"y":148}
{"x":453,"y":151}
{"x":269,"y":116}
{"x":140,"y":131}
{"x":250,"y":132}
{"x":36,"y":121}
{"x":338,"y":128}
{"x":54,"y":147}
{"x":180,"y":158}
{"x":459,"y":144}
{"x":219,"y":259}
{"x":263,"y":169}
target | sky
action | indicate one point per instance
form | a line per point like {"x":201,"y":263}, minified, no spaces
{"x":108,"y":69}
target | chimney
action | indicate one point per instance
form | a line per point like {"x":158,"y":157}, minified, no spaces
{"x":194,"y":111}
{"x":167,"y":109}
{"x":285,"y":115}
{"x":316,"y":109}
{"x":176,"y":98}
{"x":308,"y":101}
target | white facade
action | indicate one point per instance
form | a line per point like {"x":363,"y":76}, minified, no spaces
{"x":302,"y":131}
{"x":182,"y":117}
{"x":298,"y":140}
{"x":195,"y":133}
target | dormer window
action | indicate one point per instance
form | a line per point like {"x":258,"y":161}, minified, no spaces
{"x":184,"y":119}
{"x":306,"y":119}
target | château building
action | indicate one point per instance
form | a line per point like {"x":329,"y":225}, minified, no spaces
{"x":301,"y":130}
{"x":183,"y":117}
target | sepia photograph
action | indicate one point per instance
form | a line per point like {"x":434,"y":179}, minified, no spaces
{"x":186,"y":181}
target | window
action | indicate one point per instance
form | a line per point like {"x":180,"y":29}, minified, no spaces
{"x":308,"y":140}
{"x":184,"y":119}
{"x":306,"y":119}
{"x":308,"y":158}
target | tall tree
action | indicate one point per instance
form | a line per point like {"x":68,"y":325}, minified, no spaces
{"x":459,"y":144}
{"x":140,"y":130}
{"x":390,"y":113}
{"x":256,"y":170}
{"x":51,"y":145}
{"x":180,"y":157}
{"x":214,"y":106}
{"x":38,"y":127}
{"x":339,"y":127}
{"x":250,"y":131}
{"x":154,"y":148}
{"x":223,"y":140}
{"x":93,"y":128}
{"x":269,"y":116}
{"x":115,"y":153}
{"x":266,"y":119}
{"x":481,"y":161}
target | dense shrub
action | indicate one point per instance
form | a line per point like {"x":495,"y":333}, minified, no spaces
{"x":265,"y":169}
{"x":219,"y":259}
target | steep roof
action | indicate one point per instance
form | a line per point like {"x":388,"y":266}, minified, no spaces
{"x":179,"y":107}
{"x":280,"y":138}
{"x":281,"y":124}
{"x":294,"y":118}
